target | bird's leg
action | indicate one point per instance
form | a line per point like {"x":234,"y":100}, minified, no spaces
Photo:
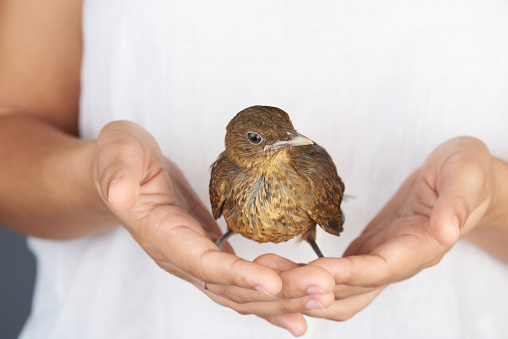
{"x":312,"y":241}
{"x":222,"y":239}
{"x":310,"y":236}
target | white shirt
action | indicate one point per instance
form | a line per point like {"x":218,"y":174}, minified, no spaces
{"x":378,"y":84}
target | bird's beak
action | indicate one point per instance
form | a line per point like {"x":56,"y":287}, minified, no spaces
{"x":293,"y":139}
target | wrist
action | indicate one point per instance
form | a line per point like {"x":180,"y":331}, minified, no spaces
{"x":85,"y":211}
{"x":50,"y":192}
{"x":85,"y":157}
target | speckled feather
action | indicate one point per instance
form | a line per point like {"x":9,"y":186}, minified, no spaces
{"x":275,"y":195}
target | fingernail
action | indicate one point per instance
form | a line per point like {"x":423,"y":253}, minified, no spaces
{"x":315,"y":290}
{"x":314,"y":305}
{"x":457,"y":224}
{"x":111,"y":186}
{"x":456,"y":221}
{"x":261,"y":289}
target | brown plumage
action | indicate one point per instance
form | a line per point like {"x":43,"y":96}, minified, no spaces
{"x":272,"y":183}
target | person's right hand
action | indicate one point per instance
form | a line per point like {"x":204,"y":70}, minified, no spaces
{"x":154,"y":202}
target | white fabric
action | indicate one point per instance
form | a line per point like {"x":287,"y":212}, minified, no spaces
{"x":379,"y":84}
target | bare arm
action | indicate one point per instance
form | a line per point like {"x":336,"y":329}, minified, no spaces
{"x":48,"y":192}
{"x":40,"y":60}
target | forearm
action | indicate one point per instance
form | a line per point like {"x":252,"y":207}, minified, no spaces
{"x":48,"y":187}
{"x":491,"y":233}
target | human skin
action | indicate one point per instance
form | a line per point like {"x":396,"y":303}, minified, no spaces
{"x":62,"y":187}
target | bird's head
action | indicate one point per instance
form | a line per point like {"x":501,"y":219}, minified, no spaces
{"x":259,"y":133}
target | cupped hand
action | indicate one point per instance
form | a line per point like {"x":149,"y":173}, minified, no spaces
{"x":151,"y":198}
{"x":445,"y":199}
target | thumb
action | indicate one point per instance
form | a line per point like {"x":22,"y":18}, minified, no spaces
{"x":462,"y":202}
{"x":461,"y":177}
{"x":122,"y":190}
{"x":118,"y":179}
{"x":121,"y":155}
{"x":447,"y":217}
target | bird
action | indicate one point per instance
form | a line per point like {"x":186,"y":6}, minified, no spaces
{"x":272,"y":183}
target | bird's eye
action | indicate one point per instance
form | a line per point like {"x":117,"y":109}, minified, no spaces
{"x":254,"y":138}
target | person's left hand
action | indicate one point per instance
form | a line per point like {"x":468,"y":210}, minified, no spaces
{"x":443,"y":200}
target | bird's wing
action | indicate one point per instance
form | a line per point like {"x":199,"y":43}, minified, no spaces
{"x":327,"y":189}
{"x":217,"y":185}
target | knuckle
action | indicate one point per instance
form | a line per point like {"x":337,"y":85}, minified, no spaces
{"x":285,"y":307}
{"x":343,"y":316}
{"x":462,"y":205}
{"x":342,"y":312}
{"x":384,"y":275}
{"x":283,"y":294}
{"x":239,"y":280}
{"x":239,"y":308}
{"x":201,"y":277}
{"x":232,"y":294}
{"x":434,"y":261}
{"x":473,"y":170}
{"x":473,"y":142}
{"x":383,"y":280}
{"x":199,"y":269}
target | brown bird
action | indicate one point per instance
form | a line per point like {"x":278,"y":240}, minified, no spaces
{"x":272,"y":183}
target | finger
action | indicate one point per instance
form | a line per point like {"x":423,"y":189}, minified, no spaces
{"x":187,"y":198}
{"x":251,"y":302}
{"x":346,"y":291}
{"x":123,"y":190}
{"x":445,"y":222}
{"x":309,"y":279}
{"x":119,"y":178}
{"x":462,"y":169}
{"x":193,"y":204}
{"x":240,"y":295}
{"x":295,"y":323}
{"x":345,"y":309}
{"x":298,"y":280}
{"x":395,"y":260}
{"x":198,"y":256}
{"x":276,"y":262}
{"x":304,"y":295}
{"x":121,"y":158}
{"x":355,"y":246}
{"x":361,"y":270}
{"x":227,"y":296}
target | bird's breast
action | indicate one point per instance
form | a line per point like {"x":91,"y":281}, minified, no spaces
{"x":268,"y":205}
